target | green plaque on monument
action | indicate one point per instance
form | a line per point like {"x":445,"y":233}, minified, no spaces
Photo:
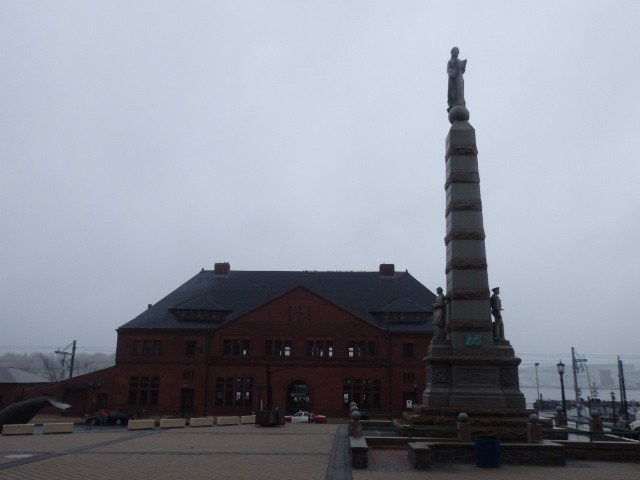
{"x":473,"y":340}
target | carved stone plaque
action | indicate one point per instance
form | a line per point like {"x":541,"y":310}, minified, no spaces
{"x":509,"y":377}
{"x":475,"y":376}
{"x":440,"y":376}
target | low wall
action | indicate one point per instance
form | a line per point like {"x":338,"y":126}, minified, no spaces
{"x":18,"y":429}
{"x":547,"y":453}
{"x":359,"y":452}
{"x":228,"y":421}
{"x":245,"y":419}
{"x":626,"y":451}
{"x":147,"y":424}
{"x":202,"y":422}
{"x":66,"y":427}
{"x":172,"y":423}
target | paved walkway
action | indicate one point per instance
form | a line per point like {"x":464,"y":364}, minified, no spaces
{"x":299,"y":451}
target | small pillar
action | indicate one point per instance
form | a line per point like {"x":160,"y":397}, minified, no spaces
{"x":464,"y":428}
{"x":561,"y":419}
{"x":595,"y":422}
{"x":355,"y":426}
{"x":534,"y":429}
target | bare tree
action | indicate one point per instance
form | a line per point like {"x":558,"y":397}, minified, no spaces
{"x":83,"y":366}
{"x":52,"y":367}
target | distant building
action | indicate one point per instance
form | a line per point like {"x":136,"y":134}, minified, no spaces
{"x":15,"y":385}
{"x":226,"y":342}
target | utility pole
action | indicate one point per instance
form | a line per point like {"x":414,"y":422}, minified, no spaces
{"x":64,"y":353}
{"x":623,"y":390}
{"x":539,"y":400}
{"x":575,"y":361}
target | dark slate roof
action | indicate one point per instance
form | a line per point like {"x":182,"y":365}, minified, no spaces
{"x":403,"y":304}
{"x":13,"y":375}
{"x":361,"y":293}
{"x":202,"y":302}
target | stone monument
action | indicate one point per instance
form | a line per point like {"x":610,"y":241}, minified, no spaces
{"x":472,"y":369}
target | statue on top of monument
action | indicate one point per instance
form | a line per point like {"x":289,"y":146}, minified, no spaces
{"x":496,"y":308}
{"x":455,"y":70}
{"x":439,"y":308}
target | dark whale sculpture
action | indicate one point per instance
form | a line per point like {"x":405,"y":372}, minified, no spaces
{"x":24,"y":411}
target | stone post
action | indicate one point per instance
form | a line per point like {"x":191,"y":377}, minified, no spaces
{"x":355,"y":428}
{"x":464,"y":428}
{"x":464,"y":432}
{"x":595,"y":422}
{"x":561,"y":420}
{"x":534,"y":429}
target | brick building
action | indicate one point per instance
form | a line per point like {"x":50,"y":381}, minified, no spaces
{"x":15,"y":385}
{"x":226,"y":342}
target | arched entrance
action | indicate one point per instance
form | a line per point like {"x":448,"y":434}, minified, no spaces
{"x":298,"y":396}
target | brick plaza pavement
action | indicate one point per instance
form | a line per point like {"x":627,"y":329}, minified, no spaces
{"x":300,"y":451}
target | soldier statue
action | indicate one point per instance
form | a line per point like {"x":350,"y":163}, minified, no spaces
{"x":439,"y":309}
{"x":496,"y":308}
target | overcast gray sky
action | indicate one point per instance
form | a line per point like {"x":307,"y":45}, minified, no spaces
{"x":141,"y":141}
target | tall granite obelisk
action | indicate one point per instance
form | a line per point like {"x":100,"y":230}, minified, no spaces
{"x":469,"y":364}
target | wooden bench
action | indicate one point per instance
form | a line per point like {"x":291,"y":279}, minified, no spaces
{"x":359,"y":452}
{"x":420,"y":455}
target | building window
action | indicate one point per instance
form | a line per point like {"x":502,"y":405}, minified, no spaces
{"x":408,"y":377}
{"x":365,"y":392}
{"x":188,"y":374}
{"x":407,"y":350}
{"x":238,"y":347}
{"x":361,"y":349}
{"x":147,"y":347}
{"x":278,"y":348}
{"x":190,"y":348}
{"x":234,"y":391}
{"x":144,"y":391}
{"x":320,"y":348}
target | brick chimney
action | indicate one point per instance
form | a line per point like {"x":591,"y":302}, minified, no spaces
{"x":221,"y":268}
{"x":387,"y":269}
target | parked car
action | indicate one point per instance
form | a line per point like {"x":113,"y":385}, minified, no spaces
{"x":108,"y":418}
{"x":305,"y":417}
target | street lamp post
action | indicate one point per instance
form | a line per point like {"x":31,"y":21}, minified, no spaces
{"x":613,"y":407}
{"x":560,"y":366}
{"x":538,"y":389}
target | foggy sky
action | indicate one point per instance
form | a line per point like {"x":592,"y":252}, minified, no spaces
{"x":142,"y":141}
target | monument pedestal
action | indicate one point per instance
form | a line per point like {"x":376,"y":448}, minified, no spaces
{"x":508,"y":424}
{"x":484,"y":378}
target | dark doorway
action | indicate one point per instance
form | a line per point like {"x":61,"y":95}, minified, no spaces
{"x":102,"y":401}
{"x":298,"y":397}
{"x":186,"y":403}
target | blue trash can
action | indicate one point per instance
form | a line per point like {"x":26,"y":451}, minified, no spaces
{"x":487,"y":451}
